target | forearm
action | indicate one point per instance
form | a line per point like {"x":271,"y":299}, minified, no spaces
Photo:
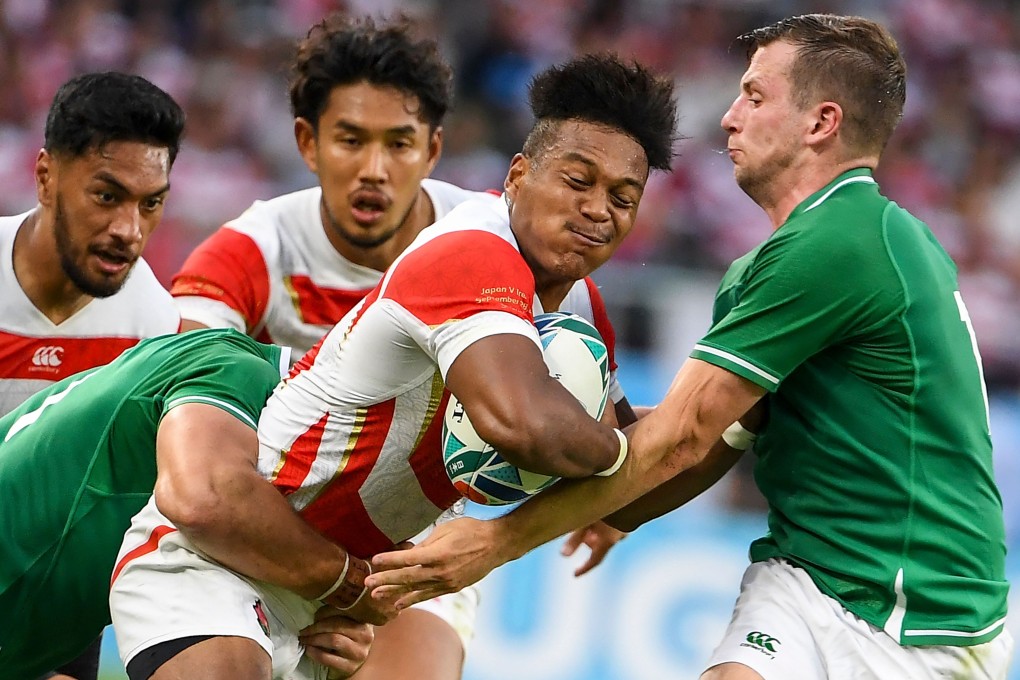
{"x":209,"y":487}
{"x":702,"y":401}
{"x":255,"y":532}
{"x":677,"y":491}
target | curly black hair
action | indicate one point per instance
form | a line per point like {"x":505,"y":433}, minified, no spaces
{"x":603,"y":89}
{"x":93,"y":109}
{"x":343,"y":51}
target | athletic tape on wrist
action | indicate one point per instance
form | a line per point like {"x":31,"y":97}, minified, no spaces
{"x":738,"y":437}
{"x":364,"y":588}
{"x":339,"y":581}
{"x":619,"y":459}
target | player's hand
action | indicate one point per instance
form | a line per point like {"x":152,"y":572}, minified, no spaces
{"x":337,"y":642}
{"x":599,"y":537}
{"x":455,"y":555}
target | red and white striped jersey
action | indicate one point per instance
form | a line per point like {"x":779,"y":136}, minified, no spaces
{"x":35,"y":352}
{"x":273,"y":274}
{"x":352,"y":437}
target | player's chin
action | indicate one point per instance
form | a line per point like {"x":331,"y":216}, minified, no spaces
{"x":576,"y":266}
{"x":104,"y":285}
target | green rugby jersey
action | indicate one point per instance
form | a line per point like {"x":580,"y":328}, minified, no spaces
{"x":876,"y":461}
{"x":78,"y":460}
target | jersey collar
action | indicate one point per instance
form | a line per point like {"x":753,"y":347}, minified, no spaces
{"x":855,"y":176}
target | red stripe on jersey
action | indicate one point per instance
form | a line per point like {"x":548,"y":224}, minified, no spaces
{"x":228,"y":267}
{"x":601,"y":318}
{"x":305,"y":362}
{"x":317,"y":305}
{"x":459,"y":274}
{"x":338,"y":512}
{"x":298,"y":460}
{"x":55,"y":358}
{"x":427,"y":462}
{"x":144,"y":549}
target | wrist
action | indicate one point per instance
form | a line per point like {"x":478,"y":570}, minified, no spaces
{"x":738,"y":437}
{"x":351,"y":587}
{"x":508,"y":541}
{"x":620,"y":458}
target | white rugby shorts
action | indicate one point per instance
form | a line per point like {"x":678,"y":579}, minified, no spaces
{"x":784,"y":627}
{"x":165,"y":589}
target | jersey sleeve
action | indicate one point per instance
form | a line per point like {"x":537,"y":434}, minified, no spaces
{"x":227,"y":268}
{"x":798,"y":296}
{"x":460,"y":287}
{"x":239,"y":384}
{"x":461,"y":273}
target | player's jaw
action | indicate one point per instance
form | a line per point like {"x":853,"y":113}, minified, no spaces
{"x":98,"y":268}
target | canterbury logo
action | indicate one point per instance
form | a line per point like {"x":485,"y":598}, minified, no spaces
{"x":762,"y":640}
{"x":48,"y":356}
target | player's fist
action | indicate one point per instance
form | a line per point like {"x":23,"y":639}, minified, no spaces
{"x":337,"y":642}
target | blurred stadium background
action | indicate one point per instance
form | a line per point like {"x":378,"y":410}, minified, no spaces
{"x":659,"y":603}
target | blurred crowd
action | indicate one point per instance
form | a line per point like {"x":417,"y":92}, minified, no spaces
{"x":954,"y":161}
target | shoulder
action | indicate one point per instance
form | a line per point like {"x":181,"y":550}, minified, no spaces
{"x":268,"y":222}
{"x":445,"y":196}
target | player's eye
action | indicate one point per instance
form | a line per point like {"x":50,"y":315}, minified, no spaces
{"x":622,"y":201}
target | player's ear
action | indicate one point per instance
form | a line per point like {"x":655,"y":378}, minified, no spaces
{"x":518,"y":169}
{"x":45,"y":177}
{"x":435,"y":147}
{"x":827,"y":119}
{"x":307,"y":142}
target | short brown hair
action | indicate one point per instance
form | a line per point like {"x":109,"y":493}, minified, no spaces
{"x":849,"y":60}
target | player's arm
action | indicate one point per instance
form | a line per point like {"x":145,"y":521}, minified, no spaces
{"x":223,"y":283}
{"x":677,"y":435}
{"x":209,"y":487}
{"x":191,"y":325}
{"x":599,"y":536}
{"x":526,"y":414}
{"x":690,"y":483}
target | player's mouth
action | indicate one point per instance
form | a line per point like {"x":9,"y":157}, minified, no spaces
{"x":368,"y":207}
{"x":112,"y":262}
{"x":591,"y":238}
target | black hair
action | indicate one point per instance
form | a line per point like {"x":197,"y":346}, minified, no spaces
{"x":342,"y":51}
{"x":93,"y":109}
{"x":603,"y":89}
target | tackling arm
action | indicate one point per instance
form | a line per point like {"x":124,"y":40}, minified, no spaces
{"x":702,"y":401}
{"x":690,"y":483}
{"x":209,"y":487}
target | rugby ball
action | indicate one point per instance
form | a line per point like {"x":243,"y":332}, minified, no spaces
{"x":577,"y":357}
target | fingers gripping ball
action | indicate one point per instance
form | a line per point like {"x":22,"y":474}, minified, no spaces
{"x":578,"y":358}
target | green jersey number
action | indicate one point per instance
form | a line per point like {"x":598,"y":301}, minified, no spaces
{"x":965,"y":317}
{"x":32,"y":416}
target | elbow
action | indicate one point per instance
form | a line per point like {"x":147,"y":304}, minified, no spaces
{"x":195,"y":506}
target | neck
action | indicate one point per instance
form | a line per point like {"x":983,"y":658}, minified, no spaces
{"x":38,"y":271}
{"x":380,"y":257}
{"x":551,"y":297}
{"x":790,"y":188}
